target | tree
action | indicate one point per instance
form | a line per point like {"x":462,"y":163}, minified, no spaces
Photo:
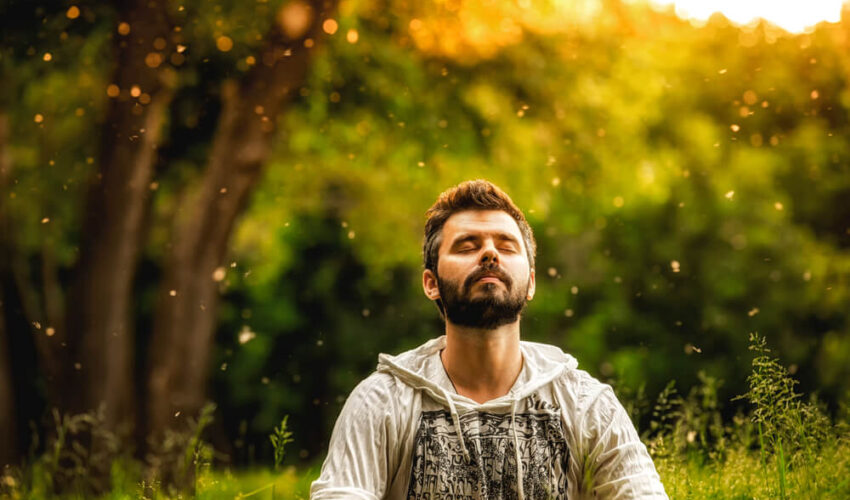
{"x":89,"y":354}
{"x":185,"y":316}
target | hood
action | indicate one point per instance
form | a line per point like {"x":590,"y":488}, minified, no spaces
{"x":541,"y":363}
{"x":420,"y":369}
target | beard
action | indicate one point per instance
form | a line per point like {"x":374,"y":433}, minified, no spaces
{"x":490,"y":309}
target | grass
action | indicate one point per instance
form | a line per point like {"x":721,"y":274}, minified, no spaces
{"x":782,"y":447}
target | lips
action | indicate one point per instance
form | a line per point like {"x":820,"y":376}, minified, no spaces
{"x":488,"y":276}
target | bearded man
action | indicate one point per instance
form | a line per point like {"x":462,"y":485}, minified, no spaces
{"x":477,"y":413}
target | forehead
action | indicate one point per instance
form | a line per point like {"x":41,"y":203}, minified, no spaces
{"x":480,"y":222}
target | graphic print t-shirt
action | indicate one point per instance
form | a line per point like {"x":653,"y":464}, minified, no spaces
{"x":439,"y":469}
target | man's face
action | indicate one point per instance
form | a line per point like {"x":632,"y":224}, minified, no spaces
{"x":483,"y":277}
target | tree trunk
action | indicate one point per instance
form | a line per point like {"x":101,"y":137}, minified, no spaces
{"x":185,"y":318}
{"x":7,"y":395}
{"x":99,"y":332}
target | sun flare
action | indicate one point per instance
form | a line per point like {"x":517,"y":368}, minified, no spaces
{"x":794,"y":17}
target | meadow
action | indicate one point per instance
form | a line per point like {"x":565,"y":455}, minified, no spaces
{"x":784,"y":446}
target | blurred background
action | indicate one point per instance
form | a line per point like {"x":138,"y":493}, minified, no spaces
{"x":224,"y":201}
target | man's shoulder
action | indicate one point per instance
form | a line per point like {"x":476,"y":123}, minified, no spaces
{"x":377,"y":385}
{"x":551,"y":359}
{"x":578,"y":386}
{"x":581,"y":381}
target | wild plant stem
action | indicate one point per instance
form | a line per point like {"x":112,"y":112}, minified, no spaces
{"x":802,"y":431}
{"x":258,"y":490}
{"x":781,"y":464}
{"x":761,"y":449}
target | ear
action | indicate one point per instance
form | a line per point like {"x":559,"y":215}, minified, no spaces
{"x":531,"y":286}
{"x":429,"y":285}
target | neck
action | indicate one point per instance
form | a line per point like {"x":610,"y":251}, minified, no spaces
{"x":482,"y":364}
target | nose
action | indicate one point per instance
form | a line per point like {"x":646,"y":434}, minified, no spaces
{"x":489,"y":255}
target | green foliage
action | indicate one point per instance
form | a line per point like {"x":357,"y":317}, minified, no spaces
{"x":781,"y":416}
{"x":279,"y":439}
{"x":180,"y":462}
{"x":798,"y":451}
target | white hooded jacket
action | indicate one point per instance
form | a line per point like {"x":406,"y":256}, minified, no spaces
{"x":558,"y":433}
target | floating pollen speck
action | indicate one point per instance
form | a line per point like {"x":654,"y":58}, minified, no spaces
{"x":219,"y":274}
{"x":173,"y":293}
{"x":224,"y":43}
{"x":246,"y":335}
{"x":753,"y":312}
{"x":674,"y":265}
{"x":729,"y":195}
{"x":330,"y":26}
{"x":690,"y":349}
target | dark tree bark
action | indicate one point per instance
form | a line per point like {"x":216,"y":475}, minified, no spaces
{"x":188,"y":298}
{"x":7,"y":395}
{"x":99,"y":328}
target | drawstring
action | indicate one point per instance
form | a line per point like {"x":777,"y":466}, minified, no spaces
{"x":520,"y":492}
{"x":410,"y":369}
{"x":456,"y":420}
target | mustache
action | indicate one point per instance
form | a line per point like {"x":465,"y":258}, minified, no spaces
{"x":486,"y":271}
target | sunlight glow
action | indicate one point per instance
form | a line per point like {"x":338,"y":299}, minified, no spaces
{"x":794,"y":17}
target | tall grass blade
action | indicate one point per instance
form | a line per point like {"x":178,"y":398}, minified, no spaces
{"x":780,"y":462}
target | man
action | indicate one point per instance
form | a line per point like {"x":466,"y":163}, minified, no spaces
{"x":477,"y":413}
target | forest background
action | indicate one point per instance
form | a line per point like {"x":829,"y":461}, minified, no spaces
{"x":224,"y":201}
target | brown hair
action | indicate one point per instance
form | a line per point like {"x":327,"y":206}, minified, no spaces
{"x":471,"y":195}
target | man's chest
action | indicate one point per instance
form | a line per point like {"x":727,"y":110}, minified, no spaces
{"x":501,"y":450}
